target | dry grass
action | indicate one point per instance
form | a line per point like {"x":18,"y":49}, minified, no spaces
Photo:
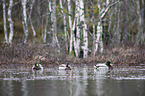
{"x":47,"y":55}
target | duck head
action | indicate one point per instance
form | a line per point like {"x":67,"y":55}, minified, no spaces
{"x":67,"y":64}
{"x":36,"y":64}
{"x":108,"y":63}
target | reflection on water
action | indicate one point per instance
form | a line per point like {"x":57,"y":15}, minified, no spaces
{"x":81,"y":81}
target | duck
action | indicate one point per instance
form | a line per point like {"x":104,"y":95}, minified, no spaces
{"x":64,"y":66}
{"x":37,"y":66}
{"x":106,"y":65}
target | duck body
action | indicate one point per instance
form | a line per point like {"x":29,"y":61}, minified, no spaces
{"x":64,"y":67}
{"x":105,"y":66}
{"x":37,"y":66}
{"x":100,"y":66}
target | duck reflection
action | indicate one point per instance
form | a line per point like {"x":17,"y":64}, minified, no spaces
{"x":7,"y":87}
{"x":24,"y":88}
{"x":37,"y":73}
{"x":100,"y":76}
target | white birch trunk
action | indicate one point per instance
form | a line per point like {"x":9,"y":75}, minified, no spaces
{"x":84,"y":25}
{"x":64,"y":24}
{"x":46,"y":25}
{"x":85,"y":33}
{"x":53,"y":16}
{"x":98,"y":40}
{"x":118,"y":25}
{"x":53,"y":20}
{"x":5,"y":25}
{"x":94,"y":36}
{"x":25,"y":26}
{"x":74,"y":40}
{"x":10,"y":21}
{"x":140,"y":25}
{"x":78,"y":31}
{"x":45,"y":31}
{"x":70,"y":26}
{"x":33,"y":29}
{"x":102,"y":13}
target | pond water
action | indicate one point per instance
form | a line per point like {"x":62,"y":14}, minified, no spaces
{"x":82,"y":80}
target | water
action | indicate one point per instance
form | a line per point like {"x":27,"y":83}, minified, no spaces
{"x":83,"y":80}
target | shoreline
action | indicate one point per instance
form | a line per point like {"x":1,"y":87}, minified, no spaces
{"x":24,"y":54}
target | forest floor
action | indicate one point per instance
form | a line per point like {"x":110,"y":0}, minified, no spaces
{"x":44,"y":54}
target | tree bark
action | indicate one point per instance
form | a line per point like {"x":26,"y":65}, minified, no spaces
{"x":140,"y":36}
{"x":32,"y":27}
{"x":10,"y":21}
{"x":70,"y":26}
{"x":53,"y":29}
{"x":78,"y":30}
{"x":102,"y":12}
{"x":65,"y":25}
{"x":46,"y":25}
{"x":85,"y":30}
{"x":5,"y":23}
{"x":125,"y":22}
{"x":24,"y":21}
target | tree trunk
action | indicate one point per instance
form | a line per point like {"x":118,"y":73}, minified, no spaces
{"x":53,"y":16}
{"x":46,"y":25}
{"x":70,"y":26}
{"x":65,"y":25}
{"x":102,"y":12}
{"x":53,"y":29}
{"x":125,"y":22}
{"x":78,"y":30}
{"x":98,"y":39}
{"x":85,"y":30}
{"x":116,"y":28}
{"x":139,"y":37}
{"x":24,"y":21}
{"x":5,"y":23}
{"x":10,"y":21}
{"x":32,"y":27}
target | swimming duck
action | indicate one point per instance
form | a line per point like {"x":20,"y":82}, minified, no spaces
{"x":37,"y":66}
{"x":106,"y":65}
{"x":64,"y":66}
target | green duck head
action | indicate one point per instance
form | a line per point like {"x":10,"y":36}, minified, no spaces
{"x":36,"y":64}
{"x":108,"y":63}
{"x":67,"y":64}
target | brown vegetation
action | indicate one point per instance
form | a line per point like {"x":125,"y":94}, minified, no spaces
{"x":28,"y":54}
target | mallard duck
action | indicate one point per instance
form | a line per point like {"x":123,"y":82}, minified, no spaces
{"x":64,"y":66}
{"x":106,"y":65}
{"x":37,"y":66}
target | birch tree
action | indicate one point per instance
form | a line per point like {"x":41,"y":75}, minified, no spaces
{"x":64,"y":24}
{"x":53,"y":17}
{"x":125,"y":21}
{"x":5,"y":25}
{"x":44,"y":35}
{"x":32,"y":27}
{"x":78,"y":30}
{"x":10,"y":21}
{"x":85,"y":30}
{"x":53,"y":22}
{"x":102,"y":12}
{"x":80,"y":23}
{"x":70,"y":26}
{"x":24,"y":21}
{"x":140,"y":35}
{"x":116,"y":24}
